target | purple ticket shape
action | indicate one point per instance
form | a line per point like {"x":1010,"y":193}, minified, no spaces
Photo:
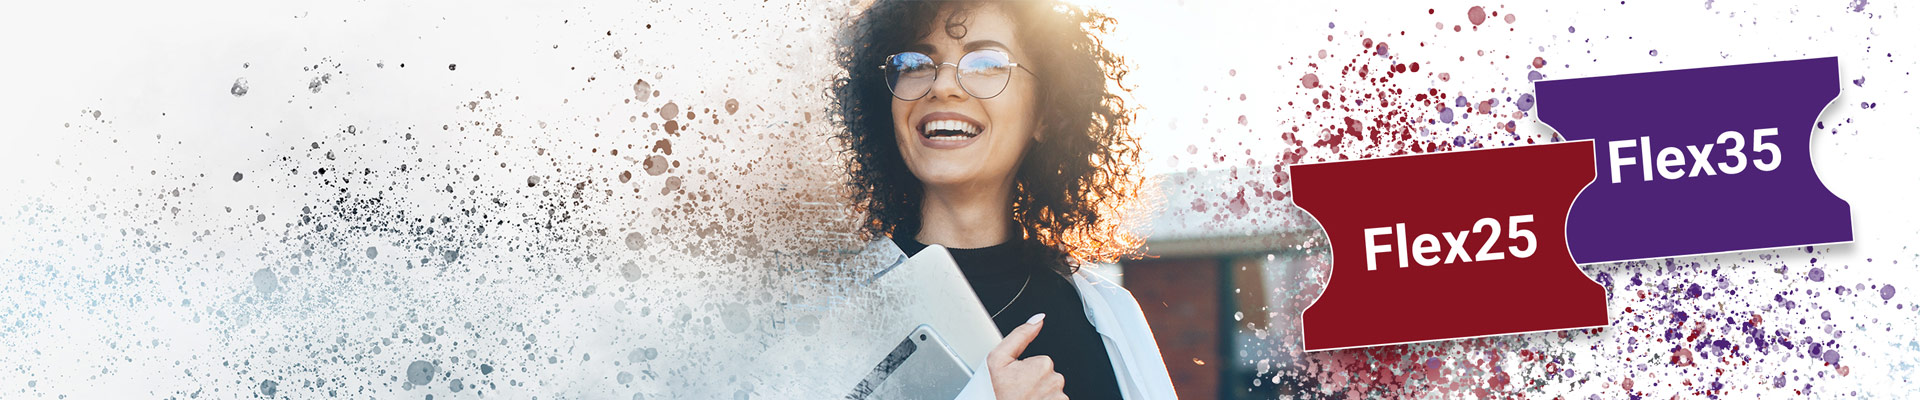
{"x":1699,"y":161}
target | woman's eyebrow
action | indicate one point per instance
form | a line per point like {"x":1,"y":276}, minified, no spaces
{"x":978,"y":44}
{"x":929,"y":49}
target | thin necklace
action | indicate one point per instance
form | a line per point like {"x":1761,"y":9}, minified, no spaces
{"x":1016,"y":297}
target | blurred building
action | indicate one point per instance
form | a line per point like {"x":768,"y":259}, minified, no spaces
{"x":1220,"y":256}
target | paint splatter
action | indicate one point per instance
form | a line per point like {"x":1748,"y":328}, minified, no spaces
{"x":265,"y":281}
{"x":421,"y":372}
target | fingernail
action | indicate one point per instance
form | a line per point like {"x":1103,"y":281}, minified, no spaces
{"x":1036,"y":318}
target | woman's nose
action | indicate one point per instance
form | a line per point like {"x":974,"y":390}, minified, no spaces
{"x":948,"y":85}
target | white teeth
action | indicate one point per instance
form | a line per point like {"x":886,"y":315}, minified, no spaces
{"x":952,"y":125}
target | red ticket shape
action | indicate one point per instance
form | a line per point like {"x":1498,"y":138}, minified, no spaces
{"x":1448,"y":246}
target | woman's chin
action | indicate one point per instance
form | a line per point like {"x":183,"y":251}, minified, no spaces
{"x":935,"y":174}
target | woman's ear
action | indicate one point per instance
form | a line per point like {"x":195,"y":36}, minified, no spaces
{"x":1040,"y":132}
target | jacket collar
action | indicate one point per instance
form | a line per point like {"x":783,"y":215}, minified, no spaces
{"x":1097,"y":294}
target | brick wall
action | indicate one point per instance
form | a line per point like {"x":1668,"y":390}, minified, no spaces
{"x":1181,"y":300}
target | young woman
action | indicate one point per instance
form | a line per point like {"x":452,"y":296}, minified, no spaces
{"x":988,"y":127}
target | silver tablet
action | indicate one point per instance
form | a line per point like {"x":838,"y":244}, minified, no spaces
{"x":922,"y":366}
{"x":865,"y":341}
{"x":948,"y":333}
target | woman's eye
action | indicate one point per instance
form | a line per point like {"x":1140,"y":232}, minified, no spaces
{"x":916,"y":69}
{"x":986,"y":69}
{"x":985,"y":62}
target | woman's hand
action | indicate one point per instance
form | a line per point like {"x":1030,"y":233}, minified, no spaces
{"x":1031,"y":378}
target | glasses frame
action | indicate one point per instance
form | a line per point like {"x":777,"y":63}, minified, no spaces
{"x":956,"y":75}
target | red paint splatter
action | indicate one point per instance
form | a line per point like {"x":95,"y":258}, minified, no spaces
{"x":1373,"y":103}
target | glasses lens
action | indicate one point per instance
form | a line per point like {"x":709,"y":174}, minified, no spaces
{"x":985,"y":73}
{"x":910,"y":74}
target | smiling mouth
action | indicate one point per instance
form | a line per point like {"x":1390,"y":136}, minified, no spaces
{"x":948,"y":130}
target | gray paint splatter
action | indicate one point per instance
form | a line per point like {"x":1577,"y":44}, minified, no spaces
{"x":630,"y":271}
{"x":421,"y":372}
{"x":318,"y":82}
{"x":266,"y":281}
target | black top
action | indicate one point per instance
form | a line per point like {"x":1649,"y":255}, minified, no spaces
{"x":997,"y":273}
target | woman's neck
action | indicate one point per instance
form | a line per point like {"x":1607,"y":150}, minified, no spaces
{"x":966,"y":218}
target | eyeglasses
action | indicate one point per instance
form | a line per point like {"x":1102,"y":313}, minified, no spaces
{"x":983,"y":74}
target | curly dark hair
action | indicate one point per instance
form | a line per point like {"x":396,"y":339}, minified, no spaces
{"x":1069,"y":189}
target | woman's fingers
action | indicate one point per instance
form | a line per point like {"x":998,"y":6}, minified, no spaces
{"x":1039,"y":363}
{"x":1016,"y":342}
{"x":1031,"y":378}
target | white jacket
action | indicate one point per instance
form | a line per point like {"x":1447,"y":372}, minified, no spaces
{"x":1124,"y":331}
